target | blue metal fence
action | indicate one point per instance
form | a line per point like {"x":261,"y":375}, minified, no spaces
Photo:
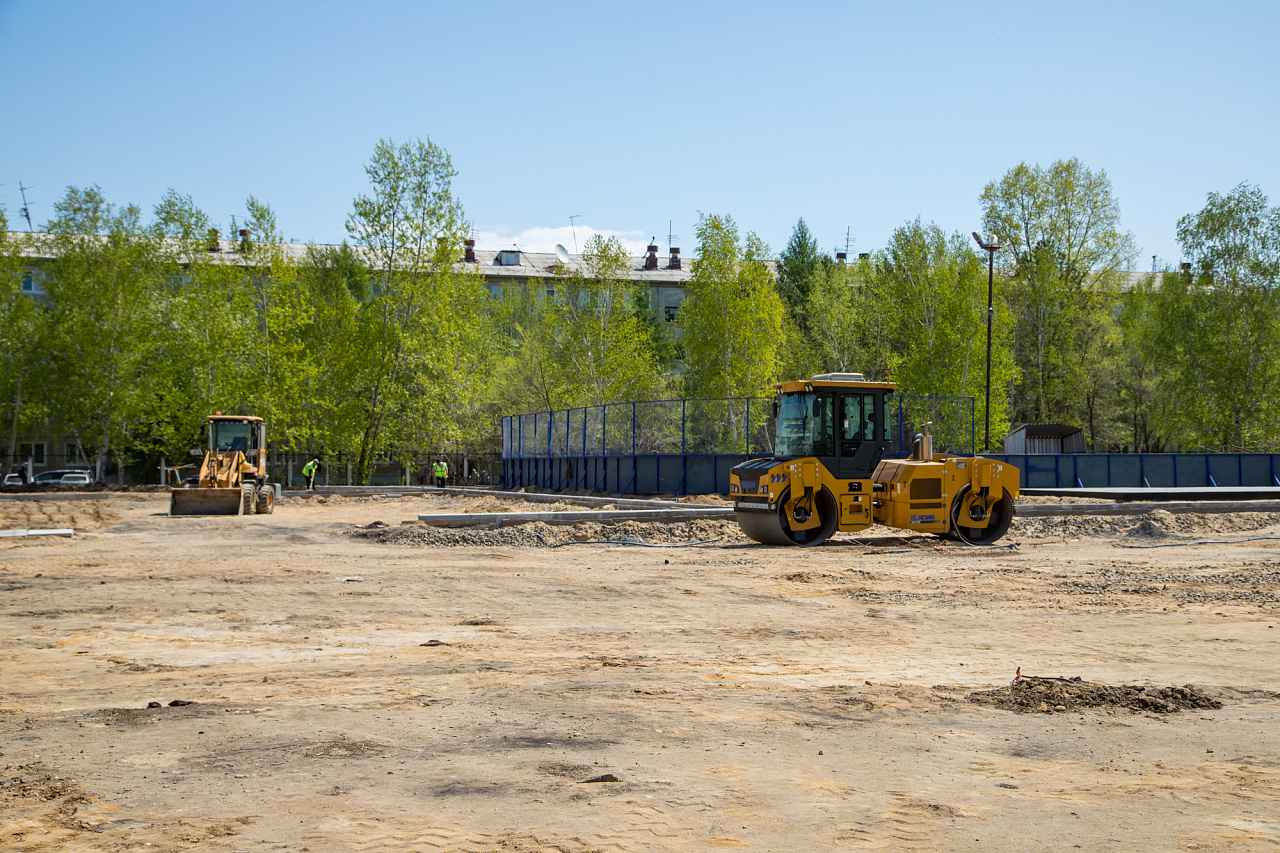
{"x":1145,"y":470}
{"x":684,"y":446}
{"x":689,"y":447}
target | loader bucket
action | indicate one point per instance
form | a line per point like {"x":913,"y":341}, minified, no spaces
{"x":202,"y":501}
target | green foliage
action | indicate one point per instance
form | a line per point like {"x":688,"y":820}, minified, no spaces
{"x":799,"y":266}
{"x":19,"y":351}
{"x":414,"y":334}
{"x":846,"y":321}
{"x":1216,"y":325}
{"x":731,"y":322}
{"x":932,"y":291}
{"x":1062,"y":226}
{"x":602,"y":347}
{"x":100,"y":329}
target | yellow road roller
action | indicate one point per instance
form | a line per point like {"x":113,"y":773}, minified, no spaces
{"x":233,"y":473}
{"x":829,"y":473}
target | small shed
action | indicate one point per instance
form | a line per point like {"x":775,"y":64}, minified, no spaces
{"x":1045,"y":438}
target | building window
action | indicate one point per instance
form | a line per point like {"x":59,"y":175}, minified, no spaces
{"x":31,"y":284}
{"x":495,"y":291}
{"x":73,"y":454}
{"x":551,"y":293}
{"x":671,"y":311}
{"x":34,"y":452}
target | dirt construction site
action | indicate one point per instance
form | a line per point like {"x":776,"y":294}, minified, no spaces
{"x":339,"y":676}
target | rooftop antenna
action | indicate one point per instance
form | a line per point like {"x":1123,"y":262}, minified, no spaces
{"x":671,"y":238}
{"x":26,"y":211}
{"x":848,"y":239}
{"x":575,"y":233}
{"x":1153,"y":263}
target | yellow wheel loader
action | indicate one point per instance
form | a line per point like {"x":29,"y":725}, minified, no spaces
{"x":829,"y":473}
{"x":233,"y":475}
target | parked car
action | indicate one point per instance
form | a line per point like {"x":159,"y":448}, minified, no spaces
{"x":76,"y":478}
{"x":51,"y":477}
{"x":14,"y":480}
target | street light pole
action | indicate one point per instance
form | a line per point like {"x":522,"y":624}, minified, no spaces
{"x":990,"y":247}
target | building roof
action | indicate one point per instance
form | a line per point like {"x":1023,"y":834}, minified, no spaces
{"x":38,"y":246}
{"x":1047,"y":430}
{"x":546,"y":265}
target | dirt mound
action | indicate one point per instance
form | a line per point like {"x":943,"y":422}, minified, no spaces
{"x":52,"y":513}
{"x":1050,"y":695}
{"x":1147,"y":528}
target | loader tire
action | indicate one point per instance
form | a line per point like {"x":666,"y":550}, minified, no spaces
{"x":266,"y":500}
{"x":248,"y":493}
{"x":997,"y":526}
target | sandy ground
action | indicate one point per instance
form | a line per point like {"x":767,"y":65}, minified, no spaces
{"x":356,"y":694}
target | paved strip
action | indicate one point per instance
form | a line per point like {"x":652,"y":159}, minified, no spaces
{"x":1172,"y":493}
{"x":4,"y":534}
{"x":529,"y":497}
{"x":503,"y":519}
{"x":1142,"y":508}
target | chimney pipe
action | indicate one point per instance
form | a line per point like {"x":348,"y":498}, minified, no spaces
{"x":244,"y":240}
{"x":674,"y":263}
{"x":842,"y":257}
{"x":214,"y":245}
{"x":862,"y":256}
{"x":651,"y":262}
{"x":471,"y":251}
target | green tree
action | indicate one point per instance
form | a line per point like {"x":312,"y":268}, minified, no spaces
{"x":1062,"y":226}
{"x":798,"y":267}
{"x":20,"y":329}
{"x":424,"y":315}
{"x":1218,"y":324}
{"x":731,"y":320}
{"x":603,"y":348}
{"x":101,"y":325}
{"x":846,"y":320}
{"x":203,"y":312}
{"x":937,"y":285}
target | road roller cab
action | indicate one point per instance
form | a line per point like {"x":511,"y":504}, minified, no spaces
{"x":830,"y":473}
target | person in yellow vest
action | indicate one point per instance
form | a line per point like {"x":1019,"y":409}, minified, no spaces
{"x":309,"y":471}
{"x":441,"y":471}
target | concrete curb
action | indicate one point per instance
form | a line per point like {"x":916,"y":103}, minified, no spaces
{"x":1140,"y":508}
{"x":7,"y":534}
{"x":502,"y":519}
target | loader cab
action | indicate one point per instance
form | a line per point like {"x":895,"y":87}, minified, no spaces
{"x":232,"y":433}
{"x":842,"y":421}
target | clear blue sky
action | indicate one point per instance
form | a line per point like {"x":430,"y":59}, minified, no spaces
{"x":852,"y":115}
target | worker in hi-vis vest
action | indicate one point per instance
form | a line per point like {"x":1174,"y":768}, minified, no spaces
{"x":441,"y":471}
{"x":309,"y":471}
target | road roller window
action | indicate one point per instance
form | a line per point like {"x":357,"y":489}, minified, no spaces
{"x":858,"y":423}
{"x":805,"y":424}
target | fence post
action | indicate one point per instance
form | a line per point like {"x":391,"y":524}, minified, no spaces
{"x":748,"y":426}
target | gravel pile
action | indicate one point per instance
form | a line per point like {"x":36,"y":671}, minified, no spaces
{"x":1160,"y":524}
{"x":540,"y":535}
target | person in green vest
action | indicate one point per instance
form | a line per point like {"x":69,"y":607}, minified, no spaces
{"x":441,"y":470}
{"x":309,"y":471}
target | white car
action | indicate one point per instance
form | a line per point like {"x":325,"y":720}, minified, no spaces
{"x":14,"y":480}
{"x":75,"y":478}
